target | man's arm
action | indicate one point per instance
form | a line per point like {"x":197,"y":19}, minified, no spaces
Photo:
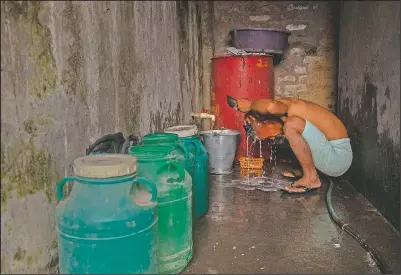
{"x":268,"y":106}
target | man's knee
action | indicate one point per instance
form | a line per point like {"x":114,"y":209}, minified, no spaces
{"x":294,"y":125}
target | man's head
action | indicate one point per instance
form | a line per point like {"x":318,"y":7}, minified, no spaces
{"x":269,"y":128}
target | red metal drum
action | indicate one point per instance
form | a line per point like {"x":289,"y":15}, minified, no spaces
{"x":248,"y":76}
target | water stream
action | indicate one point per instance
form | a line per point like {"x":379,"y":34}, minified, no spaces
{"x":263,"y":182}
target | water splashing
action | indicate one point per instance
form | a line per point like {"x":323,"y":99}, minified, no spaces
{"x":261,"y":183}
{"x":252,"y":180}
{"x":273,"y":154}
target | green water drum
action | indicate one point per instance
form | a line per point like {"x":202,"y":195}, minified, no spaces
{"x":171,"y":139}
{"x":108,"y":222}
{"x":188,"y":135}
{"x":174,"y":204}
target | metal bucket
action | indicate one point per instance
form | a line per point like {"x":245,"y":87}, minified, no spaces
{"x":221,"y":146}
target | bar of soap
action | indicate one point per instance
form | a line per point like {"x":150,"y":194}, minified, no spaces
{"x":288,"y":174}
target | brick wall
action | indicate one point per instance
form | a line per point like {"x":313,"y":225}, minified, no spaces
{"x":309,"y":67}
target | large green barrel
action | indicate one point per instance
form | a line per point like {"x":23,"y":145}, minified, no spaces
{"x":174,"y":202}
{"x":188,"y":135}
{"x":108,"y":223}
{"x":170,"y":139}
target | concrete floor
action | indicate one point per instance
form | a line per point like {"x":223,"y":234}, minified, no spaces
{"x":253,"y":231}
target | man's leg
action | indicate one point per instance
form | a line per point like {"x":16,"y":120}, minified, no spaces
{"x":293,"y":128}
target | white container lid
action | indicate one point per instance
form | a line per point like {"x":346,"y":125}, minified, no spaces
{"x":183,"y":130}
{"x":105,"y":165}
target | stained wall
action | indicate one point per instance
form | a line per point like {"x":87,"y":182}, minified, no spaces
{"x":369,"y":99}
{"x":72,"y":72}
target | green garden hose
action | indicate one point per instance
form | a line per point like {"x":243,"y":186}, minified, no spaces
{"x":384,"y":269}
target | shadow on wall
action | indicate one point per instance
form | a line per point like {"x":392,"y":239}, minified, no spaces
{"x":369,"y":100}
{"x":373,"y":152}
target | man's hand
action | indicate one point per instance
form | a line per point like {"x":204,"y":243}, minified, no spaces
{"x":244,"y":105}
{"x":249,"y":120}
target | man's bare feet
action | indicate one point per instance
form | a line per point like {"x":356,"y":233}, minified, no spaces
{"x":304,"y":183}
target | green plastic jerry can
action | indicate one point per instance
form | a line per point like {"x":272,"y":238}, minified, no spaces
{"x":174,"y":184}
{"x":188,"y":135}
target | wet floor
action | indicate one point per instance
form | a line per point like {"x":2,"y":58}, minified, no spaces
{"x":253,"y":231}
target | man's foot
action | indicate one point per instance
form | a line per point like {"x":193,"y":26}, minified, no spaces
{"x":303,"y":185}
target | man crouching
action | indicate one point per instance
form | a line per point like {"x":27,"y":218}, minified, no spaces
{"x":317,"y":137}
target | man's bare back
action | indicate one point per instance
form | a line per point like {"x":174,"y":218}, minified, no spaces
{"x":323,"y":119}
